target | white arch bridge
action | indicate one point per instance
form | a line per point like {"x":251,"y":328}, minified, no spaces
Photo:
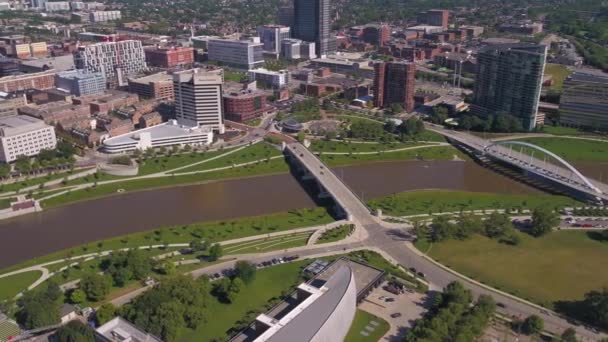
{"x":546,"y":165}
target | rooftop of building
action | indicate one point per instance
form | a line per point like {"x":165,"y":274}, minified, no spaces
{"x":78,"y":74}
{"x":301,"y":318}
{"x":22,"y":76}
{"x":497,"y":40}
{"x":119,"y":329}
{"x":268,"y":72}
{"x":59,"y":63}
{"x":171,"y":129}
{"x":344,"y":82}
{"x":424,"y":27}
{"x":18,"y":124}
{"x":589,"y":75}
{"x":158,"y":77}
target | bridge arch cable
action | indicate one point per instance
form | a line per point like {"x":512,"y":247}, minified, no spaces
{"x":559,"y":159}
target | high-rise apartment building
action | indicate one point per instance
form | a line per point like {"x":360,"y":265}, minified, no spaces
{"x":394,"y":84}
{"x":297,"y":49}
{"x":312,"y":23}
{"x":584,"y":101}
{"x":115,"y":60}
{"x":198,"y":98}
{"x":272,"y":36}
{"x":509,"y":80}
{"x":245,"y":54}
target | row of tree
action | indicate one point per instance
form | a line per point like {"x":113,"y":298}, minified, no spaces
{"x":60,"y":157}
{"x":452,"y":318}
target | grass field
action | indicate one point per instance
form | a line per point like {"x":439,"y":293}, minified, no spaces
{"x":268,"y":244}
{"x":430,"y":153}
{"x":263,"y":168}
{"x":35,"y":181}
{"x":574,"y":150}
{"x":212,"y":231}
{"x":12,"y":285}
{"x":336,"y":234}
{"x":362,"y":320}
{"x":563,"y":265}
{"x":251,"y":153}
{"x":269,"y":283}
{"x":166,"y":163}
{"x":559,"y":73}
{"x":424,"y":202}
{"x":345,"y":147}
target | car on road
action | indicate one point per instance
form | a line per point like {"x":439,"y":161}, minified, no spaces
{"x":420,"y":274}
{"x":501,"y":305}
{"x":389,"y":299}
{"x":396,"y":315}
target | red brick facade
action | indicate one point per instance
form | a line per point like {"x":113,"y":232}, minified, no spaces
{"x":169,"y":57}
{"x":40,"y":81}
{"x":244,"y":107}
{"x":394,"y":84}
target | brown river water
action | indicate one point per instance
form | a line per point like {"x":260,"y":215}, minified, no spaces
{"x":55,"y":229}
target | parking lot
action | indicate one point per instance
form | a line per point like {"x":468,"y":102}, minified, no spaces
{"x":400,"y":311}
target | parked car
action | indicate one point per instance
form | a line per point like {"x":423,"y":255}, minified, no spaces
{"x":396,"y":315}
{"x":420,"y":274}
{"x":389,"y":299}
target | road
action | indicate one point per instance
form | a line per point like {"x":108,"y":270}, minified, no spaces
{"x":397,"y":243}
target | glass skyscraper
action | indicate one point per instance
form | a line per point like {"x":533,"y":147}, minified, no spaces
{"x":312,"y":23}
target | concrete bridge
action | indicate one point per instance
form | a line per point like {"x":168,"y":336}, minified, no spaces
{"x":551,"y":168}
{"x":313,"y":168}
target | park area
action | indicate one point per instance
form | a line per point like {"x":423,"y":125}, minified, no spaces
{"x":563,"y":265}
{"x":574,"y":150}
{"x":366,"y":328}
{"x":426,"y":202}
{"x":558,"y":73}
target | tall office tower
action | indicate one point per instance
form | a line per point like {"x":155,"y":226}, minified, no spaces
{"x":198,"y":98}
{"x":509,"y":80}
{"x":312,"y":23}
{"x":272,"y":36}
{"x":438,"y":18}
{"x":286,"y":15}
{"x":115,"y":60}
{"x":394,"y":84}
{"x":584,"y":102}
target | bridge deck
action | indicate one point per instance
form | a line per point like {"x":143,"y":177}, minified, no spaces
{"x":513,"y":156}
{"x":328,"y":179}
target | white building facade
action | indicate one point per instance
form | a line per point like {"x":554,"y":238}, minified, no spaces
{"x":56,"y":6}
{"x":24,"y":135}
{"x":245,"y":54}
{"x":103,"y":16}
{"x":198,"y":98}
{"x":273,"y":79}
{"x":115,"y":60}
{"x":298,"y":49}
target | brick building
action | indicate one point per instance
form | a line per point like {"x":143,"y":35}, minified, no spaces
{"x":245,"y":105}
{"x":394,"y":84}
{"x":40,"y":81}
{"x":157,"y":86}
{"x":150,"y":119}
{"x":169,"y":57}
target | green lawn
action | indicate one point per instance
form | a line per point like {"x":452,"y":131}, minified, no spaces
{"x":270,"y":283}
{"x":36,"y":181}
{"x":574,"y":150}
{"x":10,"y":286}
{"x":424,"y":202}
{"x":166,"y":163}
{"x":212,"y":231}
{"x":362,"y":320}
{"x":269,"y":244}
{"x":263,"y":168}
{"x":344,"y":147}
{"x":336,"y":234}
{"x":563,"y":265}
{"x":255,"y":152}
{"x":234,"y":76}
{"x":559,"y":73}
{"x":6,"y":202}
{"x":430,"y":153}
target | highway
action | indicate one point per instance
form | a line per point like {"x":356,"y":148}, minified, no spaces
{"x":397,"y":243}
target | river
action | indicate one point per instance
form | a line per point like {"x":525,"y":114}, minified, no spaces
{"x":38,"y":234}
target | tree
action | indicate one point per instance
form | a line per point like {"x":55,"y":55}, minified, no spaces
{"x":245,"y":270}
{"x":37,"y":313}
{"x":168,"y":267}
{"x":198,"y":245}
{"x":497,"y":225}
{"x":443,"y":229}
{"x":23,"y":164}
{"x":396,"y":108}
{"x":95,"y":286}
{"x":78,"y":296}
{"x":75,"y":331}
{"x":301,"y":136}
{"x":215,"y":252}
{"x":105,"y":313}
{"x":467,"y":225}
{"x":543,"y":221}
{"x":532,"y":325}
{"x":439,"y":115}
{"x":569,"y":335}
{"x":5,"y":170}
